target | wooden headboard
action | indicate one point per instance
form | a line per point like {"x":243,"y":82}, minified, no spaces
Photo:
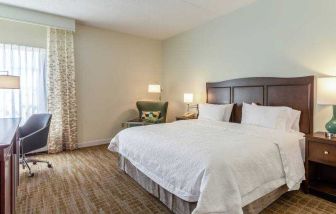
{"x":297,"y":93}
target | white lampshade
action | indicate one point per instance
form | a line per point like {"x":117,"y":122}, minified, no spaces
{"x":188,"y":97}
{"x":154,"y":88}
{"x":9,"y":82}
{"x":326,"y":91}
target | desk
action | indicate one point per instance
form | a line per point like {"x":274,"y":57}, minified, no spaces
{"x":9,"y":164}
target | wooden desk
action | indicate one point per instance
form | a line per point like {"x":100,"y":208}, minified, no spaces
{"x":9,"y":164}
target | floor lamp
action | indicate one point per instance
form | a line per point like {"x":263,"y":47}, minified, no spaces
{"x":9,"y":81}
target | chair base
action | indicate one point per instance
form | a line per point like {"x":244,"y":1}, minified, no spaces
{"x":24,"y":161}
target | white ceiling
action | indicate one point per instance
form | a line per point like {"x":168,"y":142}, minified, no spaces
{"x":159,"y":19}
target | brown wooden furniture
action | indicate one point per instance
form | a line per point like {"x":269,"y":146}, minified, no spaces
{"x":134,"y":122}
{"x":321,"y":165}
{"x":186,"y":118}
{"x":9,"y":164}
{"x":297,"y":93}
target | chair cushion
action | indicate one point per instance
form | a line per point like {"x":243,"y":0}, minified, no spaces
{"x":150,"y":116}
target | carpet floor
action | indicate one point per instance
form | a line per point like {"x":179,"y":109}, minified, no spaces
{"x":89,"y":181}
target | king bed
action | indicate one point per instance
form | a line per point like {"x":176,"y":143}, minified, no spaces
{"x":204,"y":166}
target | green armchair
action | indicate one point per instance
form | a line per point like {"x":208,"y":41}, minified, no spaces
{"x":153,"y":106}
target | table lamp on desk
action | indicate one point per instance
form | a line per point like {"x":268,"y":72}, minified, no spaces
{"x":326,"y":95}
{"x":9,"y":81}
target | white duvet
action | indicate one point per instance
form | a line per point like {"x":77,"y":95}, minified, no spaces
{"x":223,"y":166}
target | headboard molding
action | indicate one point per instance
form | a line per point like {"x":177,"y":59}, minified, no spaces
{"x":297,"y":93}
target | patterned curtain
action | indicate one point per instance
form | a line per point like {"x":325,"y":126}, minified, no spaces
{"x":61,"y":91}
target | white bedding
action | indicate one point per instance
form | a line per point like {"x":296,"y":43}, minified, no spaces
{"x":223,"y":166}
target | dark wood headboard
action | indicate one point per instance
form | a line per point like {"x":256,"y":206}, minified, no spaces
{"x":297,"y":93}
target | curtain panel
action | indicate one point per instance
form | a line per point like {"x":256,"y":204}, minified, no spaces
{"x":61,"y":90}
{"x":30,"y":64}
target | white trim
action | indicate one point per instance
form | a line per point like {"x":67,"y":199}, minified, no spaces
{"x":80,"y":145}
{"x":93,"y":143}
{"x":35,"y":17}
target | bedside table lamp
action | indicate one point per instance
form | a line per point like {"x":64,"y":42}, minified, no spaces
{"x":188,"y":98}
{"x":9,"y":81}
{"x":154,"y":88}
{"x":326,"y":95}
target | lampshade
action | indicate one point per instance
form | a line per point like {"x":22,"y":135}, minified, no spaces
{"x":154,"y":88}
{"x":188,"y":98}
{"x":9,"y":82}
{"x":326,"y":91}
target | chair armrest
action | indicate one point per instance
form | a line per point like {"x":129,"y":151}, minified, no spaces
{"x":33,"y":137}
{"x":35,"y":140}
{"x":31,"y":134}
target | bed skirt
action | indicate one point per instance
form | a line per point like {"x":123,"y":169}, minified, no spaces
{"x":180,"y":206}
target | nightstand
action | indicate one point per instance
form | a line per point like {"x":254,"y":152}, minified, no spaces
{"x":186,"y":118}
{"x":321,"y":165}
{"x":134,"y":122}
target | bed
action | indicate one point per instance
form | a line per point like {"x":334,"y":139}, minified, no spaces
{"x":215,"y":167}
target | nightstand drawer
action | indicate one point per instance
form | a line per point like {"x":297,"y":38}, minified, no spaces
{"x":322,"y":153}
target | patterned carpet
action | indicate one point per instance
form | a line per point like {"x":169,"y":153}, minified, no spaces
{"x":89,"y":181}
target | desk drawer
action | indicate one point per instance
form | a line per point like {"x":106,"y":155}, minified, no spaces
{"x":322,"y":153}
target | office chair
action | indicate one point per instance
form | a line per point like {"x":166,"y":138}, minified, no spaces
{"x":34,"y":135}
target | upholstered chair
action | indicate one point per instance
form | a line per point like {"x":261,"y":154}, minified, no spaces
{"x":153,"y":106}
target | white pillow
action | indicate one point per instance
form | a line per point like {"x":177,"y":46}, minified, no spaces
{"x":293,"y":117}
{"x":275,"y":118}
{"x":215,"y":112}
{"x":296,"y":122}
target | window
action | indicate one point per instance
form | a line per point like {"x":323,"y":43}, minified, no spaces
{"x":30,"y":64}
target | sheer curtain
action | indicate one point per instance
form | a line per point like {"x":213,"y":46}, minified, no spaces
{"x":30,"y":64}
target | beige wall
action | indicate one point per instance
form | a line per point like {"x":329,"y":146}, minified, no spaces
{"x":113,"y":71}
{"x":266,"y":38}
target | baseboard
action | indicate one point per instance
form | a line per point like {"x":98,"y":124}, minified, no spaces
{"x":80,"y":145}
{"x":94,"y":143}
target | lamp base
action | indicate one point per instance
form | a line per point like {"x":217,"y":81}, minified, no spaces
{"x":331,"y":125}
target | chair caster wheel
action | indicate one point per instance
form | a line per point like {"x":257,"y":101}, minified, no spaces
{"x":31,"y":174}
{"x":49,"y":165}
{"x":34,"y":163}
